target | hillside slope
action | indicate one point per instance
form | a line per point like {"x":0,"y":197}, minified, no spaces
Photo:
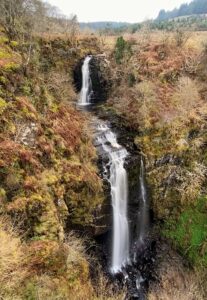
{"x":160,"y":91}
{"x":49,"y":182}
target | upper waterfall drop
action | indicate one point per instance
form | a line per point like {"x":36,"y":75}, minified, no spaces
{"x":118,"y":180}
{"x":86,"y":90}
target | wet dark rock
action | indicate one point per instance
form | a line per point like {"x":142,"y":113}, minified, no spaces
{"x":77,"y":75}
{"x":100,"y":78}
{"x":168,"y":159}
{"x":139,"y":273}
{"x":102,"y":219}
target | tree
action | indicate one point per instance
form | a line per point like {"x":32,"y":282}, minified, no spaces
{"x":17,"y":17}
{"x":122,"y":48}
{"x":72,"y":28}
{"x":11,"y":13}
{"x":21,"y":18}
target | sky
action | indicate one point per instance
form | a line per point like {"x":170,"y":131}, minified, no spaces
{"x":115,"y":10}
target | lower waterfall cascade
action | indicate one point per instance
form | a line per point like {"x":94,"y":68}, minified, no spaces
{"x":116,"y":155}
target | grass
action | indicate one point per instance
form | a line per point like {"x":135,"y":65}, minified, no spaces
{"x":174,"y":285}
{"x":189,"y":233}
{"x":12,"y":261}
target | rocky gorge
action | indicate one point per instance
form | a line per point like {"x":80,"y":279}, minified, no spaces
{"x":53,"y":181}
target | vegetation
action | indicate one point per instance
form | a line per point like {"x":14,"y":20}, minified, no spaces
{"x":48,"y":173}
{"x":166,"y":105}
{"x":49,"y":182}
{"x":175,"y":284}
{"x":190,"y":232}
{"x":47,"y":269}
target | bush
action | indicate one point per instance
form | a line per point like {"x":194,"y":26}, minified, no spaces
{"x":131,"y":80}
{"x":181,"y":37}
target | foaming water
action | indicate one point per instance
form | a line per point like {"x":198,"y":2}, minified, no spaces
{"x":86,"y":90}
{"x":118,"y":180}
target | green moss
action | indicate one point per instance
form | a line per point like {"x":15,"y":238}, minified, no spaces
{"x":189,"y":232}
{"x":2,"y":193}
{"x":3,"y":40}
{"x":4,"y":54}
{"x":44,"y":213}
{"x":11,"y":66}
{"x":54,"y":107}
{"x":3,"y":199}
{"x":14,"y":44}
{"x":3,"y":105}
{"x":26,"y":90}
{"x":49,"y":177}
{"x":31,"y":291}
{"x":3,"y":80}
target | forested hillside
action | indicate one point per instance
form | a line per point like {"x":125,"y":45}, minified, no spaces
{"x":193,"y":8}
{"x":103,"y":25}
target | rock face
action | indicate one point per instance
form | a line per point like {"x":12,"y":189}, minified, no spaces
{"x":100,"y":77}
{"x":77,"y":75}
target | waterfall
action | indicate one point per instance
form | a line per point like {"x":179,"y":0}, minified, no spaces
{"x":118,"y":180}
{"x":144,"y":210}
{"x":124,"y":260}
{"x":86,"y":90}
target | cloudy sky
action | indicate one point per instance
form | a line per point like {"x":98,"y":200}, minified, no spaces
{"x":115,"y":10}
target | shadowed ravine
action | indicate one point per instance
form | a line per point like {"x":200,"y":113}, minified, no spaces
{"x":127,"y":248}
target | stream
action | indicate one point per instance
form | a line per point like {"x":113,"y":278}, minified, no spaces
{"x":129,"y":257}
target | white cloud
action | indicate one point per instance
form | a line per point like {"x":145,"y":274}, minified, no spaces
{"x":115,"y":10}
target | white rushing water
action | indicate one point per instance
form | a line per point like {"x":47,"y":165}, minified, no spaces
{"x":144,"y":211}
{"x":118,"y":180}
{"x":86,"y":89}
{"x":117,"y":177}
